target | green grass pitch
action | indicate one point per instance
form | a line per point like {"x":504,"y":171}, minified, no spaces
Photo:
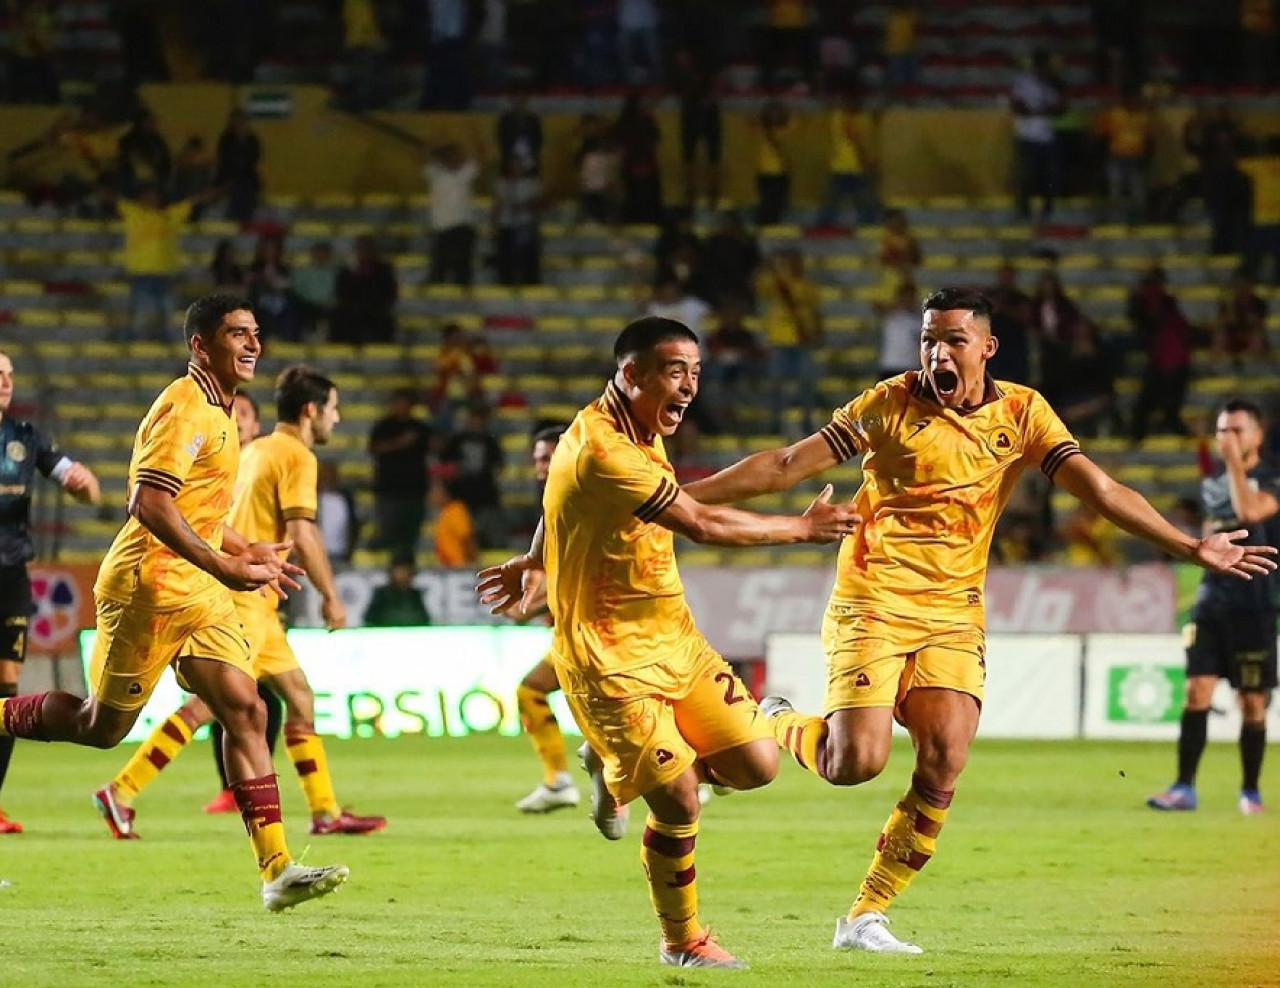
{"x":1050,"y":872}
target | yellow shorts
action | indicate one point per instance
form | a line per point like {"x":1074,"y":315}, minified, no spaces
{"x":650,"y":724}
{"x":269,"y":649}
{"x":135,"y":644}
{"x":873,"y":662}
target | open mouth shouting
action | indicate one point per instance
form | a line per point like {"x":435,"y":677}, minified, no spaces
{"x":672,"y":413}
{"x":946,"y":384}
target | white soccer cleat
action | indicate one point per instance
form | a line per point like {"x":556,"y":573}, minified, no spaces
{"x":703,"y":951}
{"x":771,"y":706}
{"x":870,"y":932}
{"x":298,"y":883}
{"x":546,"y":798}
{"x":610,"y":818}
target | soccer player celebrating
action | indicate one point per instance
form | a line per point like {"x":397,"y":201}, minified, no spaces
{"x":661,"y":710}
{"x":556,"y":789}
{"x":164,"y":593}
{"x":904,"y":628}
{"x":275,"y":499}
{"x":23,"y":451}
{"x":1232,"y":634}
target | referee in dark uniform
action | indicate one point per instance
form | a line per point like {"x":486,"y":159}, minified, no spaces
{"x":23,"y":451}
{"x":1232,"y":634}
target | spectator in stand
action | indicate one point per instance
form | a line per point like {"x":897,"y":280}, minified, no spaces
{"x":677,"y":253}
{"x":397,"y":603}
{"x":1078,"y":383}
{"x":447,"y":81}
{"x":734,"y":362}
{"x":315,"y":290}
{"x":636,"y":134}
{"x":902,"y":62}
{"x":787,"y":43}
{"x":597,"y":160}
{"x":33,"y":39}
{"x":519,"y":133}
{"x":239,"y":155}
{"x":476,"y":459}
{"x":451,"y":174}
{"x":792,"y":318}
{"x":695,"y":85}
{"x":597,"y":44}
{"x":366,"y":293}
{"x":270,"y":288}
{"x":773,"y":163}
{"x":638,"y":42}
{"x":227,"y":273}
{"x":1241,"y":326}
{"x":900,"y":254}
{"x":729,"y":259}
{"x":1088,"y":539}
{"x":1036,"y":99}
{"x":81,"y":178}
{"x":851,"y":163}
{"x":1208,"y":136}
{"x":399,"y":444}
{"x":455,"y":535}
{"x":671,"y":301}
{"x":1158,"y":322}
{"x":517,"y":208}
{"x":1126,"y":131}
{"x":192,"y":172}
{"x":364,"y":51}
{"x":1258,"y":31}
{"x":457,"y":383}
{"x":143,"y":157}
{"x":1011,"y":317}
{"x":900,"y":333}
{"x":1263,"y":173}
{"x":490,"y":45}
{"x":1229,"y":200}
{"x":336,"y":514}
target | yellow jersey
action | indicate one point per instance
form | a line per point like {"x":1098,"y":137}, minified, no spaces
{"x":934,"y":483}
{"x":454,"y":531}
{"x":277,"y":484}
{"x":612,"y":583}
{"x":848,"y":134}
{"x":151,"y":236}
{"x":187,"y":445}
{"x":1264,"y":173}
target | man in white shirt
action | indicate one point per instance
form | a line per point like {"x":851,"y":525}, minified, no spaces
{"x":1036,"y":99}
{"x":900,"y":333}
{"x":451,"y":175}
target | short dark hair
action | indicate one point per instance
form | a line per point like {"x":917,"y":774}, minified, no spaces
{"x":208,"y":312}
{"x":644,"y":334}
{"x":548,"y":434}
{"x":297,"y":387}
{"x":1240,"y":405}
{"x":253,"y":403}
{"x":969,"y":299}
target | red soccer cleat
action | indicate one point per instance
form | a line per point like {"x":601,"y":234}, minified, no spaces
{"x":8,"y":826}
{"x":118,"y":816}
{"x":346,"y":823}
{"x":224,"y":802}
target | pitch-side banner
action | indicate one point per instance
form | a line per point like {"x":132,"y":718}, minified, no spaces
{"x":1032,"y":689}
{"x":434,"y":681}
{"x":738,"y":608}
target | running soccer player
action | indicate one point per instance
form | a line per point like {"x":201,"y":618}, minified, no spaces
{"x":660,"y":709}
{"x":23,"y":452}
{"x":275,"y":497}
{"x":164,"y":593}
{"x":904,"y":631}
{"x":1232,"y":634}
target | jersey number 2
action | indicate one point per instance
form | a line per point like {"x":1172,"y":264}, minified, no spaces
{"x":730,"y":697}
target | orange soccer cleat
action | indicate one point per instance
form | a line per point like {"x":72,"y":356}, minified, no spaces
{"x":8,"y":826}
{"x":224,"y":802}
{"x":346,"y":823}
{"x":702,"y":951}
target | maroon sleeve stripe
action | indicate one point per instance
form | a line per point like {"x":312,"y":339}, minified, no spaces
{"x":839,"y":442}
{"x":158,"y":478}
{"x":661,"y":499}
{"x":1058,"y":456}
{"x":298,"y":514}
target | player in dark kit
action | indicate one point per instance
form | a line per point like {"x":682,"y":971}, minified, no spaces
{"x":1232,"y":634}
{"x":23,"y":451}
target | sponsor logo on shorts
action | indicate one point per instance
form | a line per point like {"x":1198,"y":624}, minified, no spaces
{"x":135,"y":689}
{"x":663,"y":756}
{"x":862,"y":681}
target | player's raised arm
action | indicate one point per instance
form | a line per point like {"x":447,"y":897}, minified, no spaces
{"x":710,"y":524}
{"x":1126,"y":508}
{"x":766,"y":472}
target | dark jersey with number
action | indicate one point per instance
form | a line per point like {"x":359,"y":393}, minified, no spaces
{"x":23,"y":451}
{"x":1221,"y":592}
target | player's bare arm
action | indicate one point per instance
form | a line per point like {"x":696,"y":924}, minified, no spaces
{"x":305,"y":536}
{"x":1128,"y":509}
{"x":765,"y":473}
{"x":708,"y":524}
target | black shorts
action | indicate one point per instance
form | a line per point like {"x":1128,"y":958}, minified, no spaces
{"x":16,"y":607}
{"x":1238,"y":646}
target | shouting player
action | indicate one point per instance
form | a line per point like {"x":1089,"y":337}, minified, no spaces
{"x":904,"y":629}
{"x":660,"y":709}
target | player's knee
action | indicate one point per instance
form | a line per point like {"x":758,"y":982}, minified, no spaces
{"x":856,"y":766}
{"x":244,"y":715}
{"x":941,"y":762}
{"x":104,"y":735}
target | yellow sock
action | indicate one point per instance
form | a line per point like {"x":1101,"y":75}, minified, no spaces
{"x":667,"y":855}
{"x":306,"y":751}
{"x":259,"y":803}
{"x":544,"y":731}
{"x":163,"y":746}
{"x":906,"y":845}
{"x":804,"y":735}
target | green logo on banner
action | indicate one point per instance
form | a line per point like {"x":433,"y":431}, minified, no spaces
{"x":1145,"y":694}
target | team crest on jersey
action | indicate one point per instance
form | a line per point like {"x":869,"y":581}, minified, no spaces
{"x":1001,"y":442}
{"x":16,"y":451}
{"x":196,"y":444}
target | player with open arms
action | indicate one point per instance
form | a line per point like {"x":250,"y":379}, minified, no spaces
{"x":164,"y":593}
{"x":660,"y":707}
{"x":1232,"y":634}
{"x":24,"y":451}
{"x":904,"y":628}
{"x":275,"y":500}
